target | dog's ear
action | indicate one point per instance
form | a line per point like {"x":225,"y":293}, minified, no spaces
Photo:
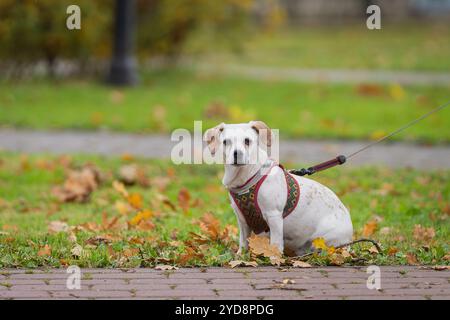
{"x":212,"y":137}
{"x":264,"y":132}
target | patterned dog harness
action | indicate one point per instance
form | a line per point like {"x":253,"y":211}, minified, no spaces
{"x":247,"y":200}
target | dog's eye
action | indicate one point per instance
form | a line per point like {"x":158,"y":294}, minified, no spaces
{"x":225,"y":142}
{"x":247,"y":141}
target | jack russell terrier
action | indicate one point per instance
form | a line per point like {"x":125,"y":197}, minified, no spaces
{"x":268,"y":200}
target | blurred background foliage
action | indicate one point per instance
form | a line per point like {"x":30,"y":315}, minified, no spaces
{"x":32,"y":31}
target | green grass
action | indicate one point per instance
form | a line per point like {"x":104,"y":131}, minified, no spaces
{"x":406,"y":46}
{"x":170,"y":99}
{"x":399,"y":199}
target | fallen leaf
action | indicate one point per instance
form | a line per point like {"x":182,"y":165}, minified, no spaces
{"x":133,"y":174}
{"x":210,"y":225}
{"x":78,"y":185}
{"x":276,"y":261}
{"x":288,"y":281}
{"x":160,"y":183}
{"x":236,"y":263}
{"x":423,"y":234}
{"x":97,"y":240}
{"x":412,"y":259}
{"x":140,"y":216}
{"x":397,"y":92}
{"x":45,"y":251}
{"x":123,"y":207}
{"x":301,"y":264}
{"x":77,"y":251}
{"x":184,"y":198}
{"x":369,"y":90}
{"x":373,"y":250}
{"x":337,"y":259}
{"x":58,"y":226}
{"x":130,"y":252}
{"x":319,"y":243}
{"x":260,"y":245}
{"x":216,"y":110}
{"x":120,"y":188}
{"x":392,"y":251}
{"x":441,"y":268}
{"x":165,"y":267}
{"x":135,"y":200}
{"x":369,"y":228}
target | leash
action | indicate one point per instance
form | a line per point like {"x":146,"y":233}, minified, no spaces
{"x":339,"y":160}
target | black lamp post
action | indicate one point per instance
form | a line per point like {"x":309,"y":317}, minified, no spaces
{"x":123,"y":64}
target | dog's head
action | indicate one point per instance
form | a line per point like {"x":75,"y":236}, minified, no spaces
{"x":240,"y":144}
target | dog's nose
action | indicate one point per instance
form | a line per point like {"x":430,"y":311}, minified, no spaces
{"x":235,"y":156}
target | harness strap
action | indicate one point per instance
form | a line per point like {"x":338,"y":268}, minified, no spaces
{"x":247,"y":202}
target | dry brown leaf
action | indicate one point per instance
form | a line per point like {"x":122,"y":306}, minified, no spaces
{"x":210,"y":225}
{"x":216,"y":110}
{"x":337,"y":259}
{"x":392,"y":251}
{"x":412,"y":259}
{"x":370,"y":90}
{"x":44,"y":251}
{"x":97,"y":240}
{"x":277,"y":261}
{"x":58,"y":226}
{"x":301,"y":264}
{"x":236,"y":263}
{"x":78,"y":185}
{"x":184,"y":198}
{"x":133,"y":174}
{"x":259,"y":245}
{"x":77,"y":251}
{"x":423,"y":234}
{"x":441,"y":268}
{"x":120,"y":188}
{"x":369,"y":228}
{"x":130,"y":252}
{"x":373,"y":250}
{"x":160,"y":183}
{"x":145,"y":226}
{"x":288,"y":281}
{"x":165,"y":267}
{"x":190,"y":254}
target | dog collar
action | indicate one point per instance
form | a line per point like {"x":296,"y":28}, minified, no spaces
{"x":263,"y":171}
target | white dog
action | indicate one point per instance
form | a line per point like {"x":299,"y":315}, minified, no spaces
{"x":266,"y":199}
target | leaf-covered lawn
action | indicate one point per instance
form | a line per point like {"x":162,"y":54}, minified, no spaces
{"x":169,"y":99}
{"x":180,"y":215}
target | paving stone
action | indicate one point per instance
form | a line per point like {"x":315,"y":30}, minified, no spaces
{"x":403,"y":282}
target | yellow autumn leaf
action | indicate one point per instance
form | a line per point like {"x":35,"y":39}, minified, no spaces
{"x":397,"y":92}
{"x":140,"y":216}
{"x":135,"y":200}
{"x":319,"y":243}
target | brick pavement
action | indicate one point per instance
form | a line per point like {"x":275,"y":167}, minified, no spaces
{"x":404,"y":282}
